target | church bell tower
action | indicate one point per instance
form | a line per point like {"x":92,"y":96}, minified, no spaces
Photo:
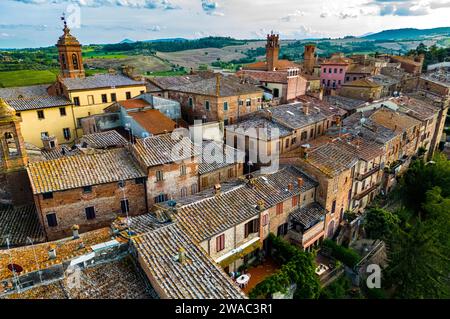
{"x":70,"y":58}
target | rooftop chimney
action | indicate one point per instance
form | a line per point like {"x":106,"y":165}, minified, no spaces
{"x":306,"y":108}
{"x":261,"y":205}
{"x":217,"y":84}
{"x":52,"y":252}
{"x":182,"y":255}
{"x":321,"y":94}
{"x":290,"y":187}
{"x":300,"y":182}
{"x":75,"y":229}
{"x":217,"y":189}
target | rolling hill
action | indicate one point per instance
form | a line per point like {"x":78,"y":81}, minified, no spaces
{"x":408,"y":33}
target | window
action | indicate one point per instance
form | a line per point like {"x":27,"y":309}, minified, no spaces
{"x":183,"y":192}
{"x":75,"y":61}
{"x":159,"y":176}
{"x":44,"y":134}
{"x":311,"y":133}
{"x":230,"y":172}
{"x":182,"y":170}
{"x":51,"y":220}
{"x":40,"y":115}
{"x":191,"y":102}
{"x":104,"y":98}
{"x":128,"y":95}
{"x":341,"y":70}
{"x":282,"y":229}
{"x":161,"y":198}
{"x":63,"y":61}
{"x":47,"y":195}
{"x":124,"y":206}
{"x":286,"y":143}
{"x":335,"y":70}
{"x":333,"y":207}
{"x":225,"y":106}
{"x":62,"y":111}
{"x":207,"y":105}
{"x":139,"y":180}
{"x":328,"y":83}
{"x":323,"y":81}
{"x":142,"y":92}
{"x":66,"y":133}
{"x":241,"y":102}
{"x":324,"y":70}
{"x":265,"y":219}
{"x":276,"y":93}
{"x":194,"y":188}
{"x":87,"y":189}
{"x":304,"y":135}
{"x":248,"y":102}
{"x":18,"y":114}
{"x":293,"y":140}
{"x":251,"y":227}
{"x":279,"y":208}
{"x":90,"y":99}
{"x":220,"y":243}
{"x":347,"y":78}
{"x":90,"y":212}
{"x":113,"y":97}
{"x":294,"y":201}
{"x":76,"y":101}
{"x":330,"y":70}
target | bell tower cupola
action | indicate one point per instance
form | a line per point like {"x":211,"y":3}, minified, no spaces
{"x":70,"y":58}
{"x":272,"y":51}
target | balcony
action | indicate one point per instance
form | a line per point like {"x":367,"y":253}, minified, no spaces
{"x":366,"y":192}
{"x":370,"y":172}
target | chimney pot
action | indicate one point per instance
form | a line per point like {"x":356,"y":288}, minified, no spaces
{"x":182,"y":255}
{"x":75,"y":229}
{"x":300,"y":182}
{"x":52,"y":252}
{"x":217,"y":189}
{"x":261,"y":205}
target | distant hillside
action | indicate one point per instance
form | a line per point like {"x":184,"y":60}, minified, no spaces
{"x":166,"y":40}
{"x":408,"y":33}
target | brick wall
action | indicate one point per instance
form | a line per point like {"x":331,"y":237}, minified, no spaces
{"x":70,"y":205}
{"x":224,"y":174}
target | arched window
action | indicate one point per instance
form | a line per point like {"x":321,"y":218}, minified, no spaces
{"x":63,"y":61}
{"x":75,"y":61}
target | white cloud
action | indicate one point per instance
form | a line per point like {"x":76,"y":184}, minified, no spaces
{"x":138,"y":4}
{"x":210,"y":7}
{"x":293,"y":16}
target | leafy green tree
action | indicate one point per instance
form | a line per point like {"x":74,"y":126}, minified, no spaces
{"x":380,"y":223}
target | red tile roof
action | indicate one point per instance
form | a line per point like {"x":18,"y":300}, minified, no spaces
{"x":154,"y":122}
{"x":134,"y":104}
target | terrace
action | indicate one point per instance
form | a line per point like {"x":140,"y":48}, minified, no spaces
{"x":259,"y":272}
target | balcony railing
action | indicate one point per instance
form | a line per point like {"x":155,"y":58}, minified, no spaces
{"x":373,"y":170}
{"x":366,"y":192}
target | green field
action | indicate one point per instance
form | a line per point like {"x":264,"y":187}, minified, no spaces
{"x":103,"y":55}
{"x":33,"y":77}
{"x":27,"y":77}
{"x":167,"y":73}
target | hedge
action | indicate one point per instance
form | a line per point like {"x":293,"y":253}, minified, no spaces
{"x":348,"y":256}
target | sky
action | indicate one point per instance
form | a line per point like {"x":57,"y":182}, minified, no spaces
{"x":37,"y":23}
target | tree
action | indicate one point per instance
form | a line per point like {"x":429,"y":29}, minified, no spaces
{"x":380,"y":223}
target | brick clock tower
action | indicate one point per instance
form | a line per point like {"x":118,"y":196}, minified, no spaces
{"x":272,"y":51}
{"x":14,"y":184}
{"x":70,"y":58}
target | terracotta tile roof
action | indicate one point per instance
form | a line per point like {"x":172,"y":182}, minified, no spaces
{"x":24,"y":92}
{"x":337,"y":59}
{"x":230,"y":85}
{"x":199,"y":277}
{"x":360,"y":69}
{"x":35,"y":103}
{"x":384,"y":80}
{"x":331,"y":159}
{"x":392,"y":120}
{"x":309,"y":215}
{"x":361,"y":83}
{"x":164,"y":82}
{"x":134,"y":104}
{"x":265,"y":76}
{"x":206,"y":214}
{"x":162,"y":149}
{"x":18,"y":223}
{"x":404,"y":59}
{"x":262,"y":65}
{"x":260,"y":122}
{"x":343,"y":102}
{"x":416,"y":108}
{"x":153,"y":121}
{"x":82,"y":170}
{"x":59,"y":151}
{"x":211,"y":161}
{"x":105,"y":139}
{"x":100,"y":81}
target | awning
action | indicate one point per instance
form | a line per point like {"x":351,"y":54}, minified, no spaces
{"x":239,"y":252}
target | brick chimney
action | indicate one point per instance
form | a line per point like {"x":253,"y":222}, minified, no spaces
{"x":217,"y":189}
{"x":181,"y":255}
{"x":49,"y":142}
{"x":306,"y":108}
{"x":52,"y":252}
{"x":300,"y":182}
{"x":261,"y":205}
{"x":75,"y":229}
{"x":217,"y":84}
{"x":290,"y":187}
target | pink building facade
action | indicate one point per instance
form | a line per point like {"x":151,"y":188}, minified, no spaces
{"x":332,"y":75}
